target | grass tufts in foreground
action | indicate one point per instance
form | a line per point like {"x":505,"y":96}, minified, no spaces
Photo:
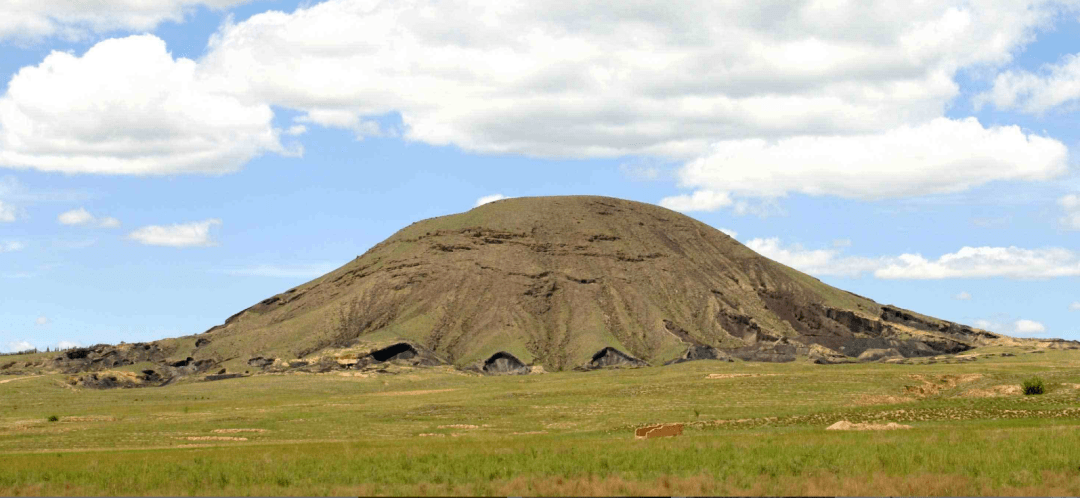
{"x":1033,"y":385}
{"x":756,"y":429}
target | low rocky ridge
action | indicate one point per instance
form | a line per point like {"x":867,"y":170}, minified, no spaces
{"x":540,"y":284}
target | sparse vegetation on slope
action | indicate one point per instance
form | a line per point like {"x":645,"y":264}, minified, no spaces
{"x":555,"y":280}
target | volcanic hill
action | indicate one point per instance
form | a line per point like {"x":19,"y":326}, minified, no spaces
{"x":556,"y":283}
{"x":553,"y":281}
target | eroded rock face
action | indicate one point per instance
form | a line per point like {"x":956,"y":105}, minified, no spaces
{"x":260,"y":362}
{"x":110,"y":379}
{"x":503,"y":363}
{"x":782,"y":350}
{"x":957,"y":331}
{"x":104,"y":356}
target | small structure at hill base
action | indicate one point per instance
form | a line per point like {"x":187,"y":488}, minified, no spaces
{"x":658,"y":430}
{"x":701,"y":352}
{"x":402,"y":351}
{"x":399,"y":351}
{"x":611,"y":357}
{"x":503,"y":363}
{"x":879,"y":354}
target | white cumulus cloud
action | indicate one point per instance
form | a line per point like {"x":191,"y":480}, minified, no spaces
{"x":963,"y":296}
{"x":83,"y":217}
{"x":489,"y":198}
{"x":11,"y":246}
{"x":968,"y":262}
{"x":813,"y":261}
{"x":983,"y":262}
{"x":17,"y":346}
{"x":942,"y":156}
{"x":68,"y":344}
{"x":127,"y":107}
{"x":1028,"y":327}
{"x":41,"y":320}
{"x":193,"y":234}
{"x":1074,"y":306}
{"x":586,"y":78}
{"x":736,"y":88}
{"x":7,"y":213}
{"x":1052,"y":86}
{"x":32,"y":20}
{"x":1070,"y":204}
{"x":701,"y":200}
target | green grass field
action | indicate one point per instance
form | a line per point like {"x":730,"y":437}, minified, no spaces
{"x":435,"y":432}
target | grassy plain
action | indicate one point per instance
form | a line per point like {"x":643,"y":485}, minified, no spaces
{"x":755,"y":429}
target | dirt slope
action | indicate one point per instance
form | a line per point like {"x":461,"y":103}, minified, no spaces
{"x":554,"y":280}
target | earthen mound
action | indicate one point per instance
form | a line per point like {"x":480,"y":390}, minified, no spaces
{"x":554,"y":279}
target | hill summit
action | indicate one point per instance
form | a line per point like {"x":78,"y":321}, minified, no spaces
{"x":572,"y":282}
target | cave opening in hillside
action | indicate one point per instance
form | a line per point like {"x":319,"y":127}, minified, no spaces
{"x":399,"y":351}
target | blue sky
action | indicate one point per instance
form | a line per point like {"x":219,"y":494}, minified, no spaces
{"x":166,"y":163}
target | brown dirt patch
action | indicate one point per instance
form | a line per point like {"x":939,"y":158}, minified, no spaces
{"x":736,"y":375}
{"x":459,"y":426}
{"x":5,"y":381}
{"x":234,"y":431}
{"x":882,"y":399}
{"x":413,"y":393}
{"x":844,"y":425}
{"x":89,"y":418}
{"x":432,"y":434}
{"x":930,"y":385}
{"x":214,"y":438}
{"x":658,"y":430}
{"x":993,"y":392}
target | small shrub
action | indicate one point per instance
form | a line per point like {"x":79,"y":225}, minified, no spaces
{"x":1033,"y":385}
{"x":53,"y":418}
